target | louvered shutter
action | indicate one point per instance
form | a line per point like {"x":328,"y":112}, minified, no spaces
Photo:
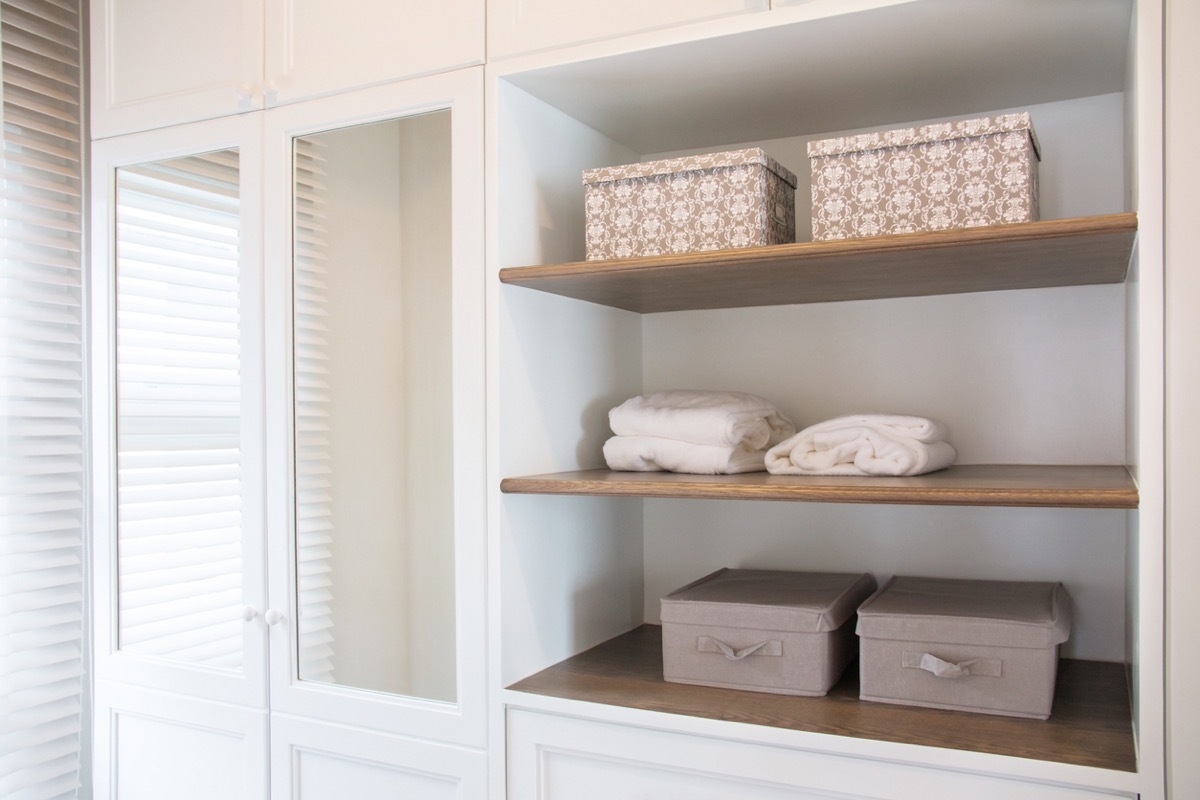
{"x":42,"y":475}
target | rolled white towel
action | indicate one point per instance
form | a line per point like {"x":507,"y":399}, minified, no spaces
{"x":863,"y":444}
{"x":922,"y":429}
{"x":725,"y":419}
{"x":655,"y":454}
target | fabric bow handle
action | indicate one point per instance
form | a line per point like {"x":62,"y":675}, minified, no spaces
{"x":707,"y":644}
{"x":988,"y":667}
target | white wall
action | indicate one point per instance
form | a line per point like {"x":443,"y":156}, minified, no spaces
{"x":1081,"y":171}
{"x":571,"y":567}
{"x":424,"y":336}
{"x":366,"y":429}
{"x":1183,"y":397}
{"x":992,"y":366}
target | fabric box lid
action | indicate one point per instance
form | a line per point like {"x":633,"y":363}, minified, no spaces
{"x":797,"y":602}
{"x":941,"y":131}
{"x":704,"y":161}
{"x":948,"y":611}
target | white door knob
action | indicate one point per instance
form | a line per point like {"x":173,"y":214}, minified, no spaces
{"x":273,"y":616}
{"x":249,"y":613}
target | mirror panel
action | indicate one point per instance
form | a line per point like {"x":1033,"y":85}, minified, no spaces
{"x":373,"y":408}
{"x":179,"y":405}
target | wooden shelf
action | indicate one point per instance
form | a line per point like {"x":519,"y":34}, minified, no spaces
{"x":1089,"y":726}
{"x":965,"y":485}
{"x":1061,"y":252}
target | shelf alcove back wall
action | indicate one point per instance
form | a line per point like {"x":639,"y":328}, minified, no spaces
{"x":1021,"y":377}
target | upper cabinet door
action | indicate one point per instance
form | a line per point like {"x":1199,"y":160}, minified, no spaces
{"x":317,"y":47}
{"x":523,"y":26}
{"x":156,"y":63}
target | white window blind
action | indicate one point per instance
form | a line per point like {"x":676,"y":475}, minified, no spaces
{"x":42,"y":478}
{"x":179,"y":525}
{"x":314,"y":518}
{"x":179,"y":409}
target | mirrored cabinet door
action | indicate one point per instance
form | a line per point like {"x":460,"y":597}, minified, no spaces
{"x":179,"y":400}
{"x":375,"y":377}
{"x":179,"y":457}
{"x":373,"y":424}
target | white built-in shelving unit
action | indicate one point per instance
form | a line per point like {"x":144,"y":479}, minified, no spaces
{"x":1039,"y":345}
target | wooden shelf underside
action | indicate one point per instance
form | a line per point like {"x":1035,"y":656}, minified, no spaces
{"x":966,"y":485}
{"x":1089,"y":726}
{"x":1061,"y":252}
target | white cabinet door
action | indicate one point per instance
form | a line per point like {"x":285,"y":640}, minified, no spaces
{"x":316,"y":47}
{"x":563,"y":758}
{"x":157,"y":63}
{"x":150,"y":745}
{"x":317,"y":761}
{"x":179,"y":570}
{"x":375,"y":424}
{"x":165,"y":63}
{"x":240,"y":439}
{"x":522,"y":26}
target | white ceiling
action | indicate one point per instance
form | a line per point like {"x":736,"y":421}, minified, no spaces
{"x":891,"y":65}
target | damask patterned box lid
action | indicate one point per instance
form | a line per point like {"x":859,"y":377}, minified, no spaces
{"x":942,"y":131}
{"x":704,"y":161}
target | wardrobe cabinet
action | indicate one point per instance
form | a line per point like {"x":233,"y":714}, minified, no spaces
{"x":156,"y":64}
{"x":1039,"y":345}
{"x":293,"y":163}
{"x":289,"y":526}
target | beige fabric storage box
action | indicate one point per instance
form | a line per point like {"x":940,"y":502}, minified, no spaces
{"x":960,"y":174}
{"x":763,"y":630}
{"x":739,"y":198}
{"x":986,"y":646}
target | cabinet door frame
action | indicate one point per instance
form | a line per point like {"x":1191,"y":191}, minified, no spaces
{"x":463,"y":721}
{"x":249,"y":687}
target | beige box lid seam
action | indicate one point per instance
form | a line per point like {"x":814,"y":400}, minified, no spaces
{"x":695,"y":163}
{"x":937,"y":132}
{"x":948,"y":611}
{"x":797,"y":602}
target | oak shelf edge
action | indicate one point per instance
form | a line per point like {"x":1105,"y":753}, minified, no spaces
{"x":1055,"y":486}
{"x":1060,"y":252}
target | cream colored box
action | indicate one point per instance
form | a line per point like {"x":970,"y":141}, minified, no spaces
{"x":738,"y":198}
{"x":968,"y":645}
{"x":764,"y":630}
{"x":962,"y":174}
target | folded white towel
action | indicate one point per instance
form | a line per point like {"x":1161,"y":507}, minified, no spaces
{"x":725,"y":419}
{"x":863,"y":444}
{"x":654,"y":454}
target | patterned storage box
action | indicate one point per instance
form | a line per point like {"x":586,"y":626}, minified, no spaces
{"x":950,"y":175}
{"x":986,"y":646}
{"x":763,"y":630}
{"x":740,"y":198}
